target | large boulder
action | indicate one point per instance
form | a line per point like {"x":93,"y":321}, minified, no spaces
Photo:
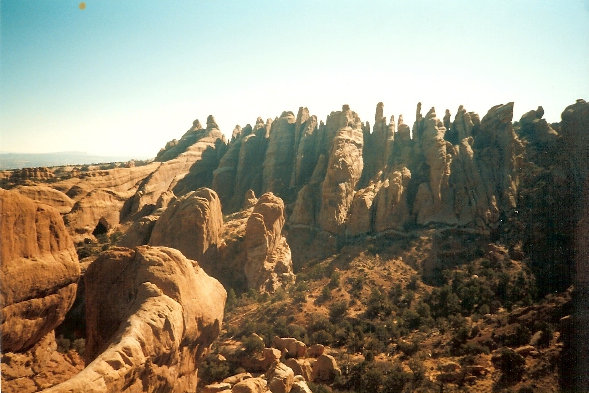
{"x":268,"y":263}
{"x":151,"y":315}
{"x":325,"y":369}
{"x":39,"y":270}
{"x":191,"y":224}
{"x":280,"y":378}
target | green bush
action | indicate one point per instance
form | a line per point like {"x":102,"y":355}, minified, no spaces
{"x":252,"y":345}
{"x":337,"y":311}
{"x":511,"y":364}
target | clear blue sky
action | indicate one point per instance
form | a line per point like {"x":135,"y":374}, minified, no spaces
{"x":125,"y":76}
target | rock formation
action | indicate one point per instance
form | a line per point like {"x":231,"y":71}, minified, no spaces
{"x":344,"y":168}
{"x":39,"y":270}
{"x":48,"y":196}
{"x":268,"y":260}
{"x":191,"y":224}
{"x":151,"y":314}
{"x":279,"y":158}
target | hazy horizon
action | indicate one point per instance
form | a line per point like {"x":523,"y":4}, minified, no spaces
{"x":122,"y":78}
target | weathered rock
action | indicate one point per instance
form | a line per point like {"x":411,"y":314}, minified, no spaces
{"x":216,"y":388}
{"x":49,"y":196}
{"x":250,"y":199}
{"x":391,"y":207}
{"x":278,"y":163}
{"x":316,"y":350}
{"x":268,"y":264}
{"x":280,"y":378}
{"x":232,"y":380}
{"x":300,"y":387}
{"x":39,"y":367}
{"x":39,"y":270}
{"x":300,"y":367}
{"x":290,"y":346}
{"x":325,"y":369}
{"x":306,"y":148}
{"x":361,"y":213}
{"x":251,"y":385}
{"x":250,"y":163}
{"x":191,"y":169}
{"x":344,"y":170}
{"x":191,"y":224}
{"x":150,"y":314}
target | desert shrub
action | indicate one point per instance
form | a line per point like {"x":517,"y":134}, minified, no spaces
{"x":212,"y":370}
{"x":417,"y":368}
{"x":325,"y":295}
{"x":356,"y":284}
{"x":411,"y":319}
{"x":63,"y":344}
{"x":395,"y":380}
{"x":337,"y":311}
{"x":322,"y":337}
{"x":319,"y":322}
{"x":334,"y":280}
{"x":252,"y":344}
{"x":297,"y":331}
{"x":318,"y":388}
{"x":413,"y":282}
{"x":371,"y":380}
{"x":231,"y":299}
{"x":377,"y":305}
{"x":510,"y":363}
{"x":409,"y":348}
{"x":79,"y":345}
{"x":520,"y":336}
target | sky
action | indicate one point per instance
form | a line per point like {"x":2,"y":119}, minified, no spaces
{"x":122,"y":77}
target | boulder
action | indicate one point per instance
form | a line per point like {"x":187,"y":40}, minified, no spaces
{"x":300,"y":367}
{"x":39,"y":270}
{"x":316,"y":350}
{"x":151,"y":315}
{"x":250,"y":385}
{"x":300,"y":387}
{"x":325,"y":369}
{"x":216,"y":388}
{"x":291,"y":346}
{"x":280,"y":378}
{"x":191,"y":224}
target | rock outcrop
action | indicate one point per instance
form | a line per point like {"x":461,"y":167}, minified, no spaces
{"x":268,"y":260}
{"x":151,"y":314}
{"x":48,"y":196}
{"x":39,"y":270}
{"x":344,"y":168}
{"x":191,"y":224}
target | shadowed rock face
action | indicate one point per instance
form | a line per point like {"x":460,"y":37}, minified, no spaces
{"x":150,"y":315}
{"x":39,"y":270}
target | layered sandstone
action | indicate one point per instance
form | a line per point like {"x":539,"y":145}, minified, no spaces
{"x":39,"y":270}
